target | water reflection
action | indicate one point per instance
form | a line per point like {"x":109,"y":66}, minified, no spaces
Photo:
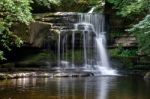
{"x":103,"y":87}
{"x":68,"y":88}
{"x":24,"y":82}
{"x":75,"y":88}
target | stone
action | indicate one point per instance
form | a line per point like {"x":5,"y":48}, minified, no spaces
{"x":2,"y":76}
{"x":147,"y":75}
{"x":61,"y":75}
{"x":126,"y":41}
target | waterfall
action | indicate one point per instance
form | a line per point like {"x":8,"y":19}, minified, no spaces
{"x":85,"y":49}
{"x":92,"y":9}
{"x":58,"y":51}
{"x":73,"y":45}
{"x":98,"y":25}
{"x":92,"y":30}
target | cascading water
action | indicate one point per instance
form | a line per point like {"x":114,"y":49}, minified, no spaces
{"x":98,"y":23}
{"x":92,"y":30}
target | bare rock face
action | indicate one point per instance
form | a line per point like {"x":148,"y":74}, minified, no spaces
{"x":126,"y":41}
{"x":38,"y":33}
{"x":147,"y":76}
{"x":45,"y":26}
{"x":35,"y":34}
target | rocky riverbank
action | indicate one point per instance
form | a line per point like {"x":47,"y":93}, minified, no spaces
{"x":17,"y":75}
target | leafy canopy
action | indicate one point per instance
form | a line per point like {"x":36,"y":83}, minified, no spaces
{"x":141,"y":30}
{"x":129,"y":7}
{"x":15,"y":10}
{"x":10,"y":12}
{"x":142,"y":34}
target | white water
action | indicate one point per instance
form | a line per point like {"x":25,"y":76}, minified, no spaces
{"x":58,"y":50}
{"x":92,"y":9}
{"x":97,"y":22}
{"x":73,"y":45}
{"x":85,"y":50}
{"x":104,"y":66}
{"x":89,"y":26}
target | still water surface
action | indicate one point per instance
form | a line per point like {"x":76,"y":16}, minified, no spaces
{"x":76,"y":88}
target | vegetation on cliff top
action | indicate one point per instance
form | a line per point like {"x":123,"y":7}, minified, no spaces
{"x":131,"y":8}
{"x":10,"y":12}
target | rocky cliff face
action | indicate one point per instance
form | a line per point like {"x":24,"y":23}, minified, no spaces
{"x":125,"y":41}
{"x":45,"y":28}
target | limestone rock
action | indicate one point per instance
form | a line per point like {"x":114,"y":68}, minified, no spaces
{"x":126,"y":41}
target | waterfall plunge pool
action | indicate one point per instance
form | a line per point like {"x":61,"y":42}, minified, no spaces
{"x":103,"y":87}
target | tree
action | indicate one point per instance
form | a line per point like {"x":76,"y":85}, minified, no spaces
{"x":129,"y":7}
{"x":141,"y":30}
{"x":47,"y":3}
{"x":12,"y":11}
{"x":142,"y":34}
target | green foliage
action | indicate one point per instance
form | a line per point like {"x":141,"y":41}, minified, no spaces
{"x":92,"y":2}
{"x":7,"y":38}
{"x":127,"y":55}
{"x":10,"y":12}
{"x":141,"y":30}
{"x":120,"y":51}
{"x":36,"y":57}
{"x":129,"y":7}
{"x":1,"y":55}
{"x":79,"y":5}
{"x":47,"y":3}
{"x":15,"y":10}
{"x":77,"y":55}
{"x":116,"y":34}
{"x":142,"y":34}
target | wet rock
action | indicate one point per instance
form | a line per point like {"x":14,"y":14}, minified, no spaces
{"x":2,"y":76}
{"x":6,"y":76}
{"x":61,"y":75}
{"x":72,"y":74}
{"x":147,"y":75}
{"x":24,"y":75}
{"x":42,"y":74}
{"x":87,"y":74}
{"x":126,"y":41}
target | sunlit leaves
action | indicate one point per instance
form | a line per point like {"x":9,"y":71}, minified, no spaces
{"x":87,"y":1}
{"x":7,"y":38}
{"x":129,"y":7}
{"x":141,"y":30}
{"x":47,"y":3}
{"x":12,"y":11}
{"x":135,"y":7}
{"x":16,"y":10}
{"x":142,"y":33}
{"x":1,"y":55}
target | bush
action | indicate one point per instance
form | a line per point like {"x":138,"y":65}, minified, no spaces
{"x":122,"y":52}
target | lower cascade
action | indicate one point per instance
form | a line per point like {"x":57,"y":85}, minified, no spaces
{"x":87,"y":38}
